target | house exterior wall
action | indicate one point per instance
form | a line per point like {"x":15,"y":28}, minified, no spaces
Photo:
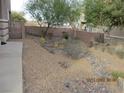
{"x":4,"y":20}
{"x":4,"y":9}
{"x":0,"y":10}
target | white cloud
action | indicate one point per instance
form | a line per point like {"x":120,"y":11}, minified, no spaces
{"x":17,"y":5}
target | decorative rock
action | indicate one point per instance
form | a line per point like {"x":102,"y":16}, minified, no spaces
{"x":86,"y":87}
{"x":64,"y":65}
{"x":67,"y":85}
{"x":98,"y":67}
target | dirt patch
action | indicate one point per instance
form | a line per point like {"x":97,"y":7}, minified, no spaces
{"x":45,"y":72}
{"x":42,"y":73}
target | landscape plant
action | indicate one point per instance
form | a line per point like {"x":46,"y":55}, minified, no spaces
{"x":54,"y":12}
{"x":42,"y":41}
{"x":75,"y":48}
{"x":17,"y":16}
{"x":104,"y":12}
{"x":116,"y":74}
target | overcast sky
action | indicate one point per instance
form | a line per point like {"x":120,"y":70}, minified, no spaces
{"x":19,"y":5}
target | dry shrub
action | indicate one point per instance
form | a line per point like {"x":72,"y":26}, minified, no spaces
{"x":99,"y":38}
{"x":75,"y":48}
{"x":112,"y":49}
{"x":119,"y":50}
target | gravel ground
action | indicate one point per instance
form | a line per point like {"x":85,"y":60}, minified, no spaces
{"x":45,"y":72}
{"x":99,"y":66}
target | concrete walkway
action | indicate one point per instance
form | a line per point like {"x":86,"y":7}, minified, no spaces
{"x":11,"y":68}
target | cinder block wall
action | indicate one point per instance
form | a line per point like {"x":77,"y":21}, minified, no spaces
{"x":116,"y":31}
{"x":86,"y":37}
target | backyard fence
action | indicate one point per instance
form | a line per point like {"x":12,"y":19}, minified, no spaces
{"x":17,"y":30}
{"x":37,"y":31}
{"x":86,"y":37}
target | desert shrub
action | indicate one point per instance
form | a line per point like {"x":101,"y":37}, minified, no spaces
{"x":116,"y":74}
{"x":75,"y":48}
{"x":99,"y":38}
{"x":110,"y":50}
{"x":120,"y":54}
{"x":59,"y":44}
{"x":56,"y":44}
{"x":101,"y":47}
{"x":42,"y":41}
{"x":119,"y":50}
{"x":113,"y":49}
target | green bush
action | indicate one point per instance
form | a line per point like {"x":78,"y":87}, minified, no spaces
{"x":116,"y":74}
{"x":42,"y":41}
{"x":17,"y":16}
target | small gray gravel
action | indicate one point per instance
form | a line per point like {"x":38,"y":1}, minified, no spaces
{"x":99,"y":67}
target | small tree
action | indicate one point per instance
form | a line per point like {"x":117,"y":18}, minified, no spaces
{"x":104,"y":12}
{"x":17,"y":16}
{"x":54,"y":12}
{"x":114,"y":11}
{"x":74,"y":14}
{"x":49,"y":11}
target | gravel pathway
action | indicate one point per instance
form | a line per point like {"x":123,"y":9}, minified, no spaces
{"x":99,"y":68}
{"x":82,"y":86}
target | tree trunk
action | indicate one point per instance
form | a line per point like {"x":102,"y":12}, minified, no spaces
{"x":45,"y":32}
{"x":74,"y":31}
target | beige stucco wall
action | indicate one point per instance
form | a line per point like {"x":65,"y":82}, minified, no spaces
{"x":4,"y":9}
{"x":0,"y":9}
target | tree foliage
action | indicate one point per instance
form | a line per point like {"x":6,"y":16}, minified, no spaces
{"x":54,"y":12}
{"x":17,"y":16}
{"x":104,"y":12}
